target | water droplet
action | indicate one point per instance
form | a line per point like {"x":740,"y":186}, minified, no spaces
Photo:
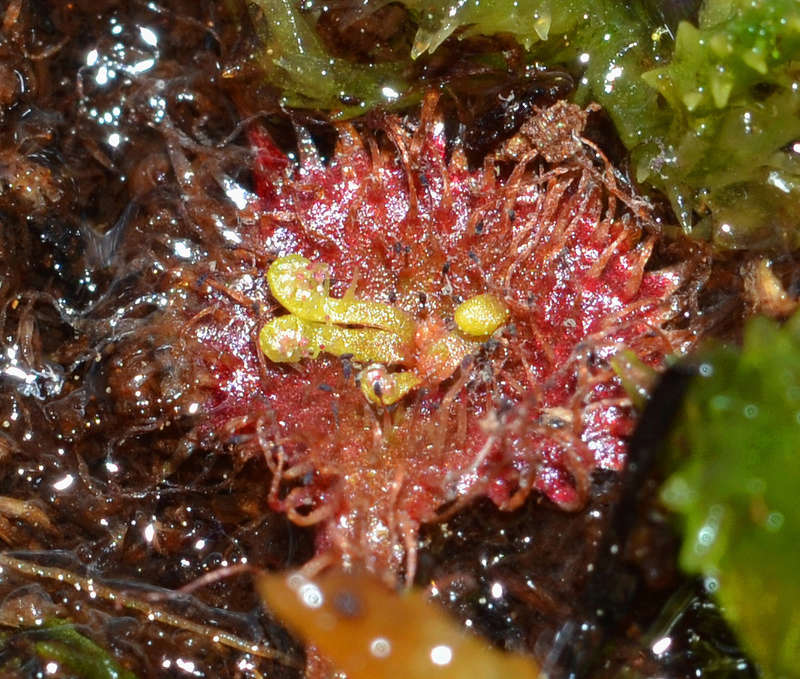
{"x":380,"y":647}
{"x":441,"y":655}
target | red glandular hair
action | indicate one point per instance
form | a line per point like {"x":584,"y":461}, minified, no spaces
{"x":543,"y":225}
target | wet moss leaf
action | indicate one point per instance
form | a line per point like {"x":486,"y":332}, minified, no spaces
{"x":78,"y":654}
{"x":736,"y":489}
{"x":296,"y":61}
{"x":727,"y":155}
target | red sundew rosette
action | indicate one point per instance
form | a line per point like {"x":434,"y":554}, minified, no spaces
{"x":400,"y":221}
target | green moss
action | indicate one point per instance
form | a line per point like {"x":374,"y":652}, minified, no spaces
{"x":58,"y":641}
{"x":738,"y":452}
{"x":737,"y":46}
{"x":530,"y":21}
{"x":299,"y":65}
{"x":732,"y":90}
